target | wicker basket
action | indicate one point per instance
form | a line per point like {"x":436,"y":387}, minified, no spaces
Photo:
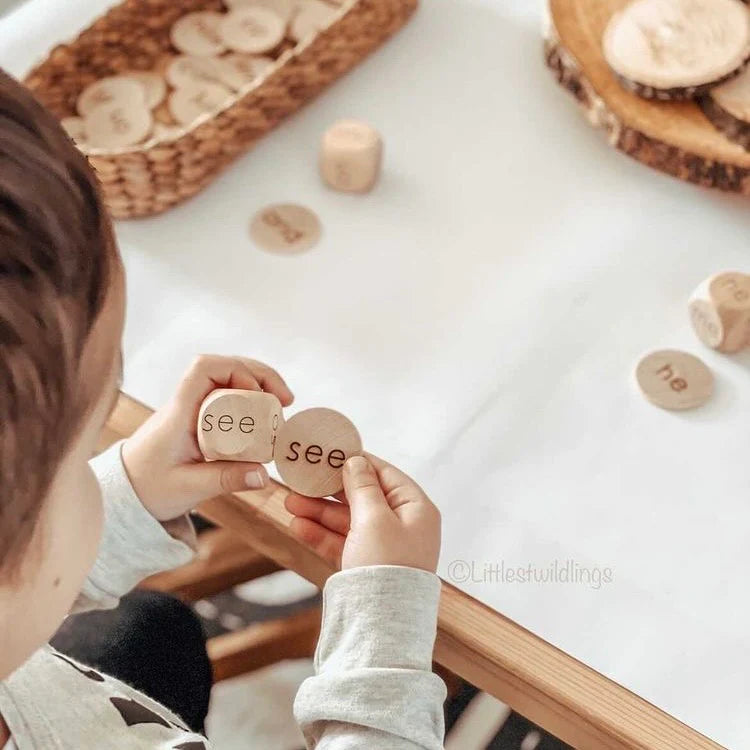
{"x":155,"y":175}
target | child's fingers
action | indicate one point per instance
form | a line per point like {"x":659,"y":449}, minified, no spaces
{"x":334,"y":516}
{"x":399,"y":488}
{"x":208,"y":372}
{"x":270,"y":380}
{"x":328,"y":544}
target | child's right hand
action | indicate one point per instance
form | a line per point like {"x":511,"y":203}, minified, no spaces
{"x":384,"y":518}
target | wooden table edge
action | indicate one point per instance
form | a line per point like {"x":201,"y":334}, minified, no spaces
{"x":561,"y":694}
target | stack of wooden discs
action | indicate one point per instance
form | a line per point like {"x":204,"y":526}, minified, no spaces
{"x":217,"y":58}
{"x":674,"y":50}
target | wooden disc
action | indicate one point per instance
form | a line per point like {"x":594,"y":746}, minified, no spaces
{"x":674,"y":380}
{"x":252,"y":29}
{"x":75,"y":128}
{"x":110,"y":90}
{"x":187,"y":104}
{"x":285,"y":228}
{"x":189,"y":70}
{"x":198,"y":34}
{"x":674,"y":137}
{"x":237,"y":69}
{"x":313,"y":16}
{"x":668,"y":49}
{"x":311,"y":449}
{"x":116,"y":125}
{"x":153,"y":84}
{"x":282,"y":8}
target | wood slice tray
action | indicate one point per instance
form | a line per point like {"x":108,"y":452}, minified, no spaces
{"x":674,"y":137}
{"x":153,"y":176}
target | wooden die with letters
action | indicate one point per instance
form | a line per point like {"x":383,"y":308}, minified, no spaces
{"x":239,"y":425}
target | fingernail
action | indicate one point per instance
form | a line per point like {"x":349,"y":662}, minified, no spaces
{"x":255,"y":479}
{"x":357,"y":464}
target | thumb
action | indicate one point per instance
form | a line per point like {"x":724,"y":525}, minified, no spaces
{"x":219,"y":477}
{"x":362,"y":488}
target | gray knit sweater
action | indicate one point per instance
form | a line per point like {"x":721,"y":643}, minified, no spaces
{"x":373,"y":686}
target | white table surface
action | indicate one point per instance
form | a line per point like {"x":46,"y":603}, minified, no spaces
{"x":479,"y":316}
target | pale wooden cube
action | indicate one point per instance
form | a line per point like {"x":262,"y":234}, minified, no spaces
{"x":351,"y":153}
{"x":720,"y":311}
{"x":239,"y":425}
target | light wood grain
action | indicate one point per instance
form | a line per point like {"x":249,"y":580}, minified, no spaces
{"x":674,"y":137}
{"x":569,"y":699}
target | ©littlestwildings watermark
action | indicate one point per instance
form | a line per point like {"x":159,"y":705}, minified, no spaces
{"x":558,"y":571}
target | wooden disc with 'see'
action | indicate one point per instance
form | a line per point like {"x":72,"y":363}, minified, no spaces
{"x":312,"y":448}
{"x":674,"y":380}
{"x":285,"y":228}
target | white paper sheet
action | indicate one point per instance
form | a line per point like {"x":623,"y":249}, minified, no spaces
{"x":479,"y":316}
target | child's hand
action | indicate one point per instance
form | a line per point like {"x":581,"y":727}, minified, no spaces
{"x":162,"y":457}
{"x":387,"y":519}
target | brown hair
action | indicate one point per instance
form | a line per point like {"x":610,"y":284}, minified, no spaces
{"x":56,"y":258}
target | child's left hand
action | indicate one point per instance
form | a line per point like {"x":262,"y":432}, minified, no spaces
{"x":162,"y":457}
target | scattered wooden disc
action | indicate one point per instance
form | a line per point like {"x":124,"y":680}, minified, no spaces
{"x":311,"y":449}
{"x":285,"y":228}
{"x":283,"y":8}
{"x":198,"y":34}
{"x":110,"y":90}
{"x":153,"y":84}
{"x":675,"y":49}
{"x":188,"y":103}
{"x":674,"y":380}
{"x":674,"y":137}
{"x":115,"y":125}
{"x":252,"y":29}
{"x":239,"y":425}
{"x":311,"y":18}
{"x":75,"y":128}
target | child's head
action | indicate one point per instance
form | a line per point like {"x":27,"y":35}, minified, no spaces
{"x":61,"y":317}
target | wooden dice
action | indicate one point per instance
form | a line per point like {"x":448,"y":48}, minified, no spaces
{"x":720,"y":311}
{"x":350,"y":156}
{"x":312,"y":448}
{"x":238,"y":425}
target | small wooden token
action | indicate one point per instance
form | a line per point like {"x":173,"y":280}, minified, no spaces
{"x":116,"y":125}
{"x":189,"y":70}
{"x":313,"y":16}
{"x":153,"y":84}
{"x":252,"y":29}
{"x":674,"y":380}
{"x":675,"y":49}
{"x":239,"y":425}
{"x":110,"y":90}
{"x":238,"y":69}
{"x":198,"y":34}
{"x":311,"y":450}
{"x":285,"y":228}
{"x":75,"y":128}
{"x":283,"y":8}
{"x":187,"y":104}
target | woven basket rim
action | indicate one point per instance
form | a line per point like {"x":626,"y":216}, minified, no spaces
{"x":238,"y":96}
